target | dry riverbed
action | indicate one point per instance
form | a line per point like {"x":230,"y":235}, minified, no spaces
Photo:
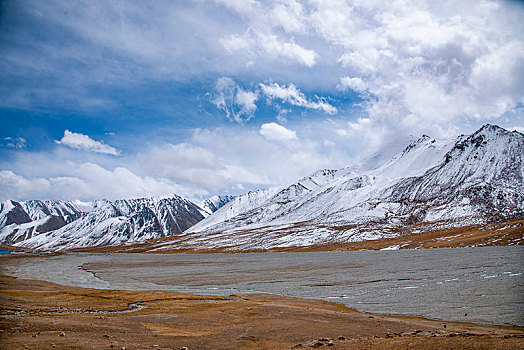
{"x":42,"y":315}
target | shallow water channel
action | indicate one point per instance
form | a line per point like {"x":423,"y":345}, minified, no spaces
{"x":483,"y":285}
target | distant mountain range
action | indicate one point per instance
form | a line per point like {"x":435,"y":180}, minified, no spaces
{"x":58,"y":225}
{"x":473,"y":180}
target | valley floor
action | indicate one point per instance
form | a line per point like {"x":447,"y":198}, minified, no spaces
{"x":42,"y":315}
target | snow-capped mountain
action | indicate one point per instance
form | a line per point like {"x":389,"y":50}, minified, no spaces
{"x":481,"y":176}
{"x":58,"y":225}
{"x":321,"y":195}
{"x":22,"y":220}
{"x":214,"y":203}
{"x":68,"y":211}
{"x":470,"y":180}
{"x":237,"y":206}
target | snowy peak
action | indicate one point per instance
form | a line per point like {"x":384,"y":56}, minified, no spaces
{"x":214,"y":203}
{"x":319,"y":179}
{"x":165,"y":216}
{"x":305,"y":185}
{"x":416,"y":143}
{"x":11,"y":212}
{"x":473,"y":179}
{"x":37,"y":209}
{"x":418,"y":157}
{"x":389,"y":149}
{"x":237,"y":206}
{"x":487,"y":129}
{"x":483,"y":171}
{"x":490,"y":154}
{"x":58,"y":225}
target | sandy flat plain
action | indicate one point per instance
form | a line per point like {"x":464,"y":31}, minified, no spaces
{"x":43,"y":315}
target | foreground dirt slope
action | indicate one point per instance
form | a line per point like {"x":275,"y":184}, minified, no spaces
{"x":41,"y":315}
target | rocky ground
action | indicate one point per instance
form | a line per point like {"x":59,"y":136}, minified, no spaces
{"x":41,"y":315}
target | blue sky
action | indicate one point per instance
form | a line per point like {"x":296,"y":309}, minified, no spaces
{"x":121,"y":99}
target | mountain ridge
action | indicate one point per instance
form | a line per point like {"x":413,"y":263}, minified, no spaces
{"x":58,"y":225}
{"x":471,"y":180}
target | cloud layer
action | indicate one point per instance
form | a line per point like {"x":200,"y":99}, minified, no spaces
{"x":303,"y":85}
{"x":211,"y":161}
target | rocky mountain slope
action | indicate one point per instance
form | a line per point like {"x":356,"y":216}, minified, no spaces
{"x":435,"y":184}
{"x":58,"y":225}
{"x":214,"y":203}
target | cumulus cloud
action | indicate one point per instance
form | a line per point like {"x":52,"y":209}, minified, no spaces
{"x":85,"y":143}
{"x":419,"y":66}
{"x":278,"y":163}
{"x":196,"y":167}
{"x":428,"y":65}
{"x":241,"y":6}
{"x":210,"y":161}
{"x":18,"y":187}
{"x":273,"y":131}
{"x":239,"y":104}
{"x":294,"y":96}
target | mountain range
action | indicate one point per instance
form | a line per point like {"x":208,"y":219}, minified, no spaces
{"x":474,"y":179}
{"x":431,"y":184}
{"x":59,"y":225}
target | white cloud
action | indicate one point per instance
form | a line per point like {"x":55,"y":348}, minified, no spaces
{"x":292,"y":95}
{"x":87,"y":181}
{"x":427,"y":66}
{"x":241,"y":6}
{"x":419,"y":66}
{"x":247,"y":100}
{"x":273,"y":46}
{"x":238,"y":43}
{"x":277,"y":163}
{"x":14,"y":186}
{"x":273,"y":131}
{"x":14,"y":142}
{"x":239,"y":104}
{"x":356,"y":84}
{"x":263,"y":38}
{"x":85,"y":143}
{"x":289,"y":15}
{"x":211,"y":161}
{"x":468,"y":55}
{"x":256,"y":43}
{"x":184,"y":163}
